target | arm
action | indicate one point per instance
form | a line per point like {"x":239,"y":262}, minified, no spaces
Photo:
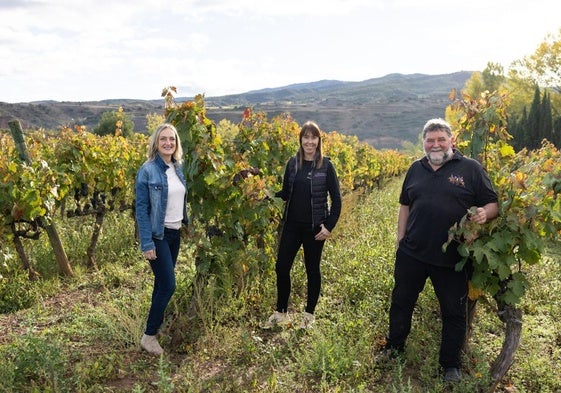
{"x":336,"y":203}
{"x":335,"y":196}
{"x":142,"y":211}
{"x":486,"y":213}
{"x":283,"y":193}
{"x":402,"y":216}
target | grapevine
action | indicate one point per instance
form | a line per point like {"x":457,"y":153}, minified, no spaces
{"x":528,"y":187}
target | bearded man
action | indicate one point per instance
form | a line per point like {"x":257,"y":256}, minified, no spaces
{"x":437,"y":192}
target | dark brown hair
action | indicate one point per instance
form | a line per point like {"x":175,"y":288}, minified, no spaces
{"x":311,"y":128}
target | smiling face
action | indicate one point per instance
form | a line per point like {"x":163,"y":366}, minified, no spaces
{"x":438,"y":147}
{"x":309,"y":144}
{"x":166,"y":144}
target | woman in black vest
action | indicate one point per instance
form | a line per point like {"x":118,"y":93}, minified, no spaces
{"x":307,"y":221}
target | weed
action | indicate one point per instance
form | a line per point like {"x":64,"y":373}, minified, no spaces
{"x":81,"y":334}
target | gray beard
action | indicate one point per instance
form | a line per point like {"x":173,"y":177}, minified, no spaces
{"x":438,"y":158}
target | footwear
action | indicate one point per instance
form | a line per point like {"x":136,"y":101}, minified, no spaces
{"x":307,"y":320}
{"x":452,"y":374}
{"x":387,"y":355}
{"x":277,"y":318}
{"x":151,"y":345}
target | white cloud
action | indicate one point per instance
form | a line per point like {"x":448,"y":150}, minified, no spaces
{"x":92,"y":49}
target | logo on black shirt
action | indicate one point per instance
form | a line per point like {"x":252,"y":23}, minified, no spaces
{"x":457,"y":180}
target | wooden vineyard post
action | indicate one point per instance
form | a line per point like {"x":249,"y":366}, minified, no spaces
{"x":56,"y":244}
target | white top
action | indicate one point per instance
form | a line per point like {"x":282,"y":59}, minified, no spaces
{"x":176,"y":197}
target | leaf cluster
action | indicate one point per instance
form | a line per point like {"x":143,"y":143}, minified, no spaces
{"x":527,"y":184}
{"x":232,"y":182}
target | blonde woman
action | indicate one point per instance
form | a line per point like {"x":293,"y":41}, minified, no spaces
{"x":161,"y":210}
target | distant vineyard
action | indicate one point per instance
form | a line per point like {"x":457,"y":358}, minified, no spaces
{"x":72,"y":172}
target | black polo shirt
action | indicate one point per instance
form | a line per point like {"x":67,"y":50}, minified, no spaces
{"x":437,"y":200}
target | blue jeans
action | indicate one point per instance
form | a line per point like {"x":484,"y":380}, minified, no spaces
{"x":163,"y":268}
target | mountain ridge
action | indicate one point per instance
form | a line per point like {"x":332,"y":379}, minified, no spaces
{"x":383,"y":112}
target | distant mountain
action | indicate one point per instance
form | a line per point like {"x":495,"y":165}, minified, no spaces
{"x":382,"y":111}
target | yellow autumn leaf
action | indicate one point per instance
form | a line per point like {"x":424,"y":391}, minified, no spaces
{"x":473,"y":292}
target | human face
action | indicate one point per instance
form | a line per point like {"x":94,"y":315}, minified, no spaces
{"x":166,"y":144}
{"x":309,"y":145}
{"x":438,"y":147}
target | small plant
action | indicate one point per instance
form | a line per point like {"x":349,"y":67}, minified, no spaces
{"x":37,"y":362}
{"x":16,"y":290}
{"x":165,"y":382}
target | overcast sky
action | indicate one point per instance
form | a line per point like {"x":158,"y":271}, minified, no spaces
{"x":81,"y":50}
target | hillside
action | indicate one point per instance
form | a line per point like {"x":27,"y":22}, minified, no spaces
{"x":381,"y":111}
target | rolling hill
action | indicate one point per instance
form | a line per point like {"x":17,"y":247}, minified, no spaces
{"x":381,"y":111}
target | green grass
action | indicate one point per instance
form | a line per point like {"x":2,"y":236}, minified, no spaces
{"x":82,"y":334}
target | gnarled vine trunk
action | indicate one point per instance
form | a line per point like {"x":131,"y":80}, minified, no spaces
{"x":512,"y":318}
{"x":24,"y":259}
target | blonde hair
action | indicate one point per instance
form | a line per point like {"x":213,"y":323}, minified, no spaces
{"x":153,"y":144}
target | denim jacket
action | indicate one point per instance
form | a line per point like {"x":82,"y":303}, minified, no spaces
{"x":151,"y":191}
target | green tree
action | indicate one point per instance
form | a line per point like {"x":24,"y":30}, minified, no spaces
{"x":517,"y":129}
{"x":491,"y":79}
{"x":493,"y":76}
{"x":474,"y":85}
{"x":114,"y":123}
{"x":542,"y":68}
{"x":547,"y":117}
{"x":534,"y":125}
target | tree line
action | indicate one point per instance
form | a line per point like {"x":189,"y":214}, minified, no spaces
{"x":533,"y":86}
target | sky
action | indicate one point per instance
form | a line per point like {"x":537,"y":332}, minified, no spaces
{"x":90,"y":50}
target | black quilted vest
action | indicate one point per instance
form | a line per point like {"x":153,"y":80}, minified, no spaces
{"x":318,"y":184}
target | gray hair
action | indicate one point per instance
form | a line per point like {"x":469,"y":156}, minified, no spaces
{"x":437,"y":124}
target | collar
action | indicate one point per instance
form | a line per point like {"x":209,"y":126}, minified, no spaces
{"x":162,"y":164}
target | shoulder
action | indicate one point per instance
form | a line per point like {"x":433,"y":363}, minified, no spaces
{"x":145,"y":166}
{"x":291,"y":162}
{"x":149,"y":165}
{"x":149,"y":168}
{"x":327,"y":162}
{"x":418,"y":163}
{"x":468,"y":162}
{"x":458,"y":156}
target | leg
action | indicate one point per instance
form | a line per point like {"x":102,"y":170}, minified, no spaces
{"x":164,"y":280}
{"x":451,"y":290}
{"x":410,"y":276}
{"x":288,"y":248}
{"x":173,"y":238}
{"x":312,"y":258}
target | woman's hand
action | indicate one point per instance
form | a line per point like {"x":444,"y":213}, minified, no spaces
{"x":150,"y":254}
{"x":323,"y":233}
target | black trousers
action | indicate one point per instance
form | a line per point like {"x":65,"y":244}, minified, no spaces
{"x":451,"y":290}
{"x":293,"y":236}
